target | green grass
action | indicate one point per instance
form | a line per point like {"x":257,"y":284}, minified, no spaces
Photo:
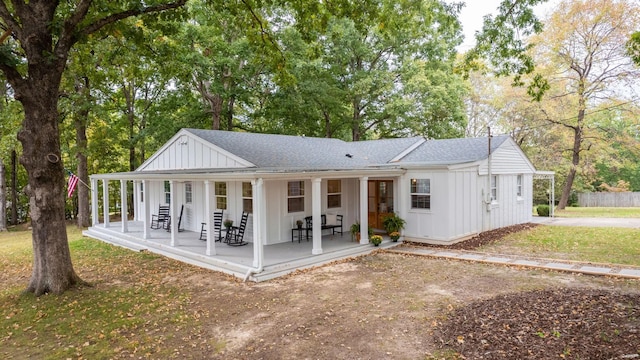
{"x":590,"y":244}
{"x":613,"y":212}
{"x":126,"y":311}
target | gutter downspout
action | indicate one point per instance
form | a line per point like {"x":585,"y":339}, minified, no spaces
{"x":488,"y":201}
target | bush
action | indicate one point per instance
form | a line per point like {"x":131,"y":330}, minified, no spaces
{"x":543,"y":210}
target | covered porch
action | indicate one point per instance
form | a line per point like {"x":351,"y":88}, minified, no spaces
{"x":278,"y":259}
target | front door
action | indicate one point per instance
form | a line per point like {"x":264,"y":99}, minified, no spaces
{"x":380,"y":201}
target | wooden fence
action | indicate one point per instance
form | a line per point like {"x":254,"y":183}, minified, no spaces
{"x":609,"y":199}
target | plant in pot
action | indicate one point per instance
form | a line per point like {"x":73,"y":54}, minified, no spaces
{"x":375,"y":240}
{"x":393,"y":223}
{"x":227,"y":223}
{"x":299,"y":224}
{"x":394,"y":235}
{"x":355,"y":231}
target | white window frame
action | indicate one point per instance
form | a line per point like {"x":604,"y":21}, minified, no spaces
{"x":519,"y":186}
{"x":167,"y":192}
{"x":188,"y":192}
{"x":294,"y":193}
{"x":494,"y":188}
{"x":420,"y":192}
{"x":221,"y":196}
{"x":337,"y":194}
{"x":247,"y":197}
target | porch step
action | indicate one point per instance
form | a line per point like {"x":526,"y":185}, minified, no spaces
{"x":175,"y":253}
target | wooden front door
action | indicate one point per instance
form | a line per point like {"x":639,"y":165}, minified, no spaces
{"x":380,"y":201}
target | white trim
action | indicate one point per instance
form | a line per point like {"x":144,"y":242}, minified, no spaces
{"x":408,"y":150}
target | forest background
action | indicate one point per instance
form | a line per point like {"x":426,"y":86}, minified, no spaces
{"x":350,"y":70}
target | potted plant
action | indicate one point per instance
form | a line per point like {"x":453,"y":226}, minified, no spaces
{"x":299,"y":223}
{"x":375,"y":240}
{"x":355,"y":231}
{"x":227,"y":223}
{"x":394,"y":235}
{"x":393,"y":223}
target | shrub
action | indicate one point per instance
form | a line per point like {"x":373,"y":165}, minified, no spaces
{"x":543,"y":210}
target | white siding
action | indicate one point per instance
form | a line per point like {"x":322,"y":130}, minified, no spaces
{"x":507,"y":159}
{"x":187,"y":152}
{"x":509,"y":209}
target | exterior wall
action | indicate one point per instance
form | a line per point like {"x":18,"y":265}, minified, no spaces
{"x":510,"y":209}
{"x":426,"y":224}
{"x":186,"y":152}
{"x":507,"y":159}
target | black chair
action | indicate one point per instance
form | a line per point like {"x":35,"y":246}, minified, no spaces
{"x":158,"y":220}
{"x":168,"y":222}
{"x":235,"y":234}
{"x":217,"y":226}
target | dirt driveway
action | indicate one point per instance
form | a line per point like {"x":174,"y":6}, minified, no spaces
{"x":381,"y":306}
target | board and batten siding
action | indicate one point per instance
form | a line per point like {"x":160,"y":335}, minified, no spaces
{"x":509,"y":209}
{"x":188,"y":152}
{"x":464,"y":218}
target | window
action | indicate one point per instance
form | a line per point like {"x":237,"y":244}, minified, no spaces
{"x":167,"y":192}
{"x":494,"y":187}
{"x":519,"y":186}
{"x":188,"y":192}
{"x":334,"y":194}
{"x":295,"y":196}
{"x":141,"y":192}
{"x":221,"y":195}
{"x":421,"y":193}
{"x":247,"y":197}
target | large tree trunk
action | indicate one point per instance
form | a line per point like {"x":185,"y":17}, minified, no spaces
{"x":14,"y":190}
{"x":3,"y":198}
{"x":40,"y":138}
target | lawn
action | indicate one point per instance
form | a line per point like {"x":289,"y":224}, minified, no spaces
{"x":379,"y":306}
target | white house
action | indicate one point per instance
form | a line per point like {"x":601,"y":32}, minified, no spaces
{"x":446,"y":190}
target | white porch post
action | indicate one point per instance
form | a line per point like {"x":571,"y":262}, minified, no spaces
{"x":94,"y":202}
{"x":136,"y":200}
{"x":147,"y":212}
{"x":211,"y":245}
{"x":124,"y":206}
{"x":259,"y":211}
{"x":105,"y":202}
{"x":172,"y":206}
{"x":316,"y":212}
{"x":364,"y":210}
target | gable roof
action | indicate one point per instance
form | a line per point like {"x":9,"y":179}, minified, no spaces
{"x":246,"y":152}
{"x":454,"y":151}
{"x":272,"y":151}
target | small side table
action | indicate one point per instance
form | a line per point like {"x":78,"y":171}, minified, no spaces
{"x":302,"y":231}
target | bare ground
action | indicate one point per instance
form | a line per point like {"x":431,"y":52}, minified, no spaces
{"x":392,"y":306}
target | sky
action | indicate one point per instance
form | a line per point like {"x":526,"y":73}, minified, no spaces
{"x":474,"y":10}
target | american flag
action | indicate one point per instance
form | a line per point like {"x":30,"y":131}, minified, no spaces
{"x":71,"y":186}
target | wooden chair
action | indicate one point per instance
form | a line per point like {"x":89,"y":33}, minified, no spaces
{"x":168,"y":222}
{"x":235,"y":234}
{"x":158,"y":220}
{"x":217,"y":226}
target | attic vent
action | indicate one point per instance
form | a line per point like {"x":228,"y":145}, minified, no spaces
{"x":348,"y":155}
{"x":183,"y":142}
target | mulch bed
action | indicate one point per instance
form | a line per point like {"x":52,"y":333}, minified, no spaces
{"x":560,"y":323}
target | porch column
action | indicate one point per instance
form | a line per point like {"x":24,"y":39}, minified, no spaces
{"x":147,"y":212}
{"x":316,"y":212}
{"x":174,"y":216}
{"x":94,"y":202}
{"x":105,"y":202}
{"x":211,"y":245}
{"x":124,"y":206}
{"x":136,"y":200}
{"x":259,"y":230}
{"x":364,"y":210}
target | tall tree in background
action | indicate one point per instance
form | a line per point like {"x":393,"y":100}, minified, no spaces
{"x":33,"y":60}
{"x":583,"y":49}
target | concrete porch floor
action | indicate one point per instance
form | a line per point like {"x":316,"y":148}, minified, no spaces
{"x":279,"y":259}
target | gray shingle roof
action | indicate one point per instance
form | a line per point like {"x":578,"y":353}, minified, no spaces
{"x":453,"y":151}
{"x":309,"y":153}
